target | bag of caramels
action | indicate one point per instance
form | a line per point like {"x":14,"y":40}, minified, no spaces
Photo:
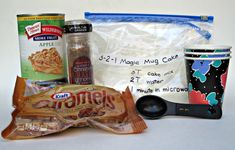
{"x":64,"y":106}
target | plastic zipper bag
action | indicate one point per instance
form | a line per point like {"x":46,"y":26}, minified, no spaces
{"x":145,"y":51}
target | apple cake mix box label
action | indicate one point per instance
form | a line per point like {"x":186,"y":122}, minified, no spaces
{"x":41,"y":46}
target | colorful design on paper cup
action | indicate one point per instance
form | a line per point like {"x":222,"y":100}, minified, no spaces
{"x":223,"y":79}
{"x":216,"y":63}
{"x":211,"y":97}
{"x":219,"y":50}
{"x":190,"y":87}
{"x":201,"y":68}
{"x":207,"y":50}
{"x":196,"y":97}
{"x":206,"y":56}
{"x":199,"y":76}
{"x":206,"y":81}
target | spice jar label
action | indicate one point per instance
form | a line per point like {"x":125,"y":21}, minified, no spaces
{"x":81,"y":71}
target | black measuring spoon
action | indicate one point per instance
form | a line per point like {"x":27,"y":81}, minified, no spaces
{"x":154,"y":107}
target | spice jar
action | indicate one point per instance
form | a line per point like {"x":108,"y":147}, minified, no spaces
{"x":79,"y":67}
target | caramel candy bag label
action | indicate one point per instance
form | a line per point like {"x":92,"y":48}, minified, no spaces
{"x":67,"y":106}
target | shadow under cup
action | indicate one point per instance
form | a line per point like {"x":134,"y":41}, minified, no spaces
{"x":206,"y":79}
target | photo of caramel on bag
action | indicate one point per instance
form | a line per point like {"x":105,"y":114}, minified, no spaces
{"x":66,"y":106}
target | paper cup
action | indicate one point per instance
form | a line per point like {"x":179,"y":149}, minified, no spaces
{"x":206,"y":79}
{"x":208,"y":48}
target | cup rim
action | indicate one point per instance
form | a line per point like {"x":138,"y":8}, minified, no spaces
{"x":199,"y":53}
{"x":208,"y":47}
{"x":200,"y":58}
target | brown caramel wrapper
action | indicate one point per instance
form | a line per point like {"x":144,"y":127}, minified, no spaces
{"x":66,"y":106}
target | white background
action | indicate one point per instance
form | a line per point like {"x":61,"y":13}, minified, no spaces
{"x":166,"y":133}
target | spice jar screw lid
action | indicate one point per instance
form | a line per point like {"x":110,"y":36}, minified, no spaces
{"x":77,"y":26}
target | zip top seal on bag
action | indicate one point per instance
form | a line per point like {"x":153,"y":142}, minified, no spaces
{"x":161,"y":18}
{"x":129,"y":17}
